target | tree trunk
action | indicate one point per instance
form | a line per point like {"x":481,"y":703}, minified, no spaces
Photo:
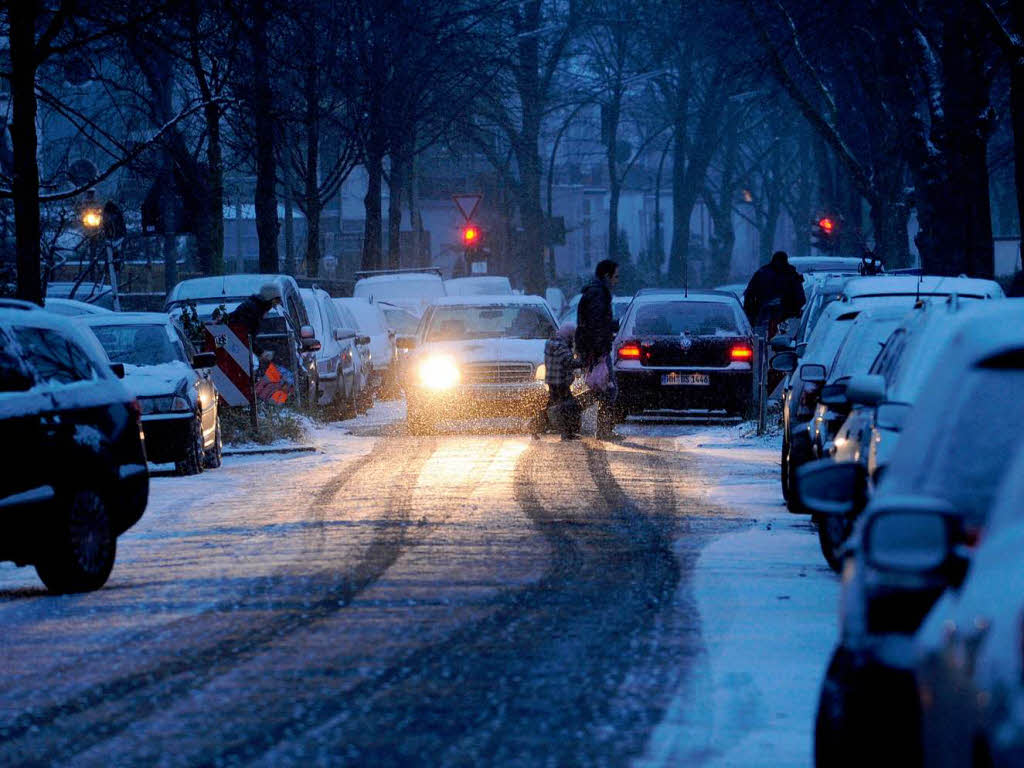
{"x":889,"y":220}
{"x":395,"y":191}
{"x":215,"y":170}
{"x":614,"y":188}
{"x":27,"y":227}
{"x":1017,"y":121}
{"x":312,"y":188}
{"x":289,"y":213}
{"x":678,"y":264}
{"x":266,"y":163}
{"x":371,"y":204}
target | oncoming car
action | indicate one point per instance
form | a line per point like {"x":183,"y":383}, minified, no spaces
{"x":476,"y":357}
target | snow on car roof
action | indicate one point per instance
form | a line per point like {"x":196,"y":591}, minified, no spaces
{"x":805,"y":264}
{"x":401,"y":277}
{"x":73,"y":307}
{"x":473,"y":301}
{"x":662,"y":294}
{"x":126,"y":318}
{"x":903,"y":285}
{"x":223,"y":285}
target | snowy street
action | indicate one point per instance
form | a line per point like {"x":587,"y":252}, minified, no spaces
{"x":460,"y":599}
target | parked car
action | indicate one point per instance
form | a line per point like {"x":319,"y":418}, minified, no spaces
{"x":944,"y":474}
{"x":75,"y":477}
{"x":98,"y":294}
{"x":968,"y":653}
{"x":412,"y":289}
{"x":73,"y":307}
{"x":478,"y":285}
{"x":684,"y":351}
{"x":478,"y":356}
{"x":858,"y":351}
{"x":799,"y":399}
{"x":372,"y":323}
{"x":619,"y":306}
{"x":285,"y":330}
{"x":338,"y":360}
{"x":177,"y":397}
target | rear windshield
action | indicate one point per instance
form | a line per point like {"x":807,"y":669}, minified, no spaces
{"x":968,"y":457}
{"x":401,"y":321}
{"x":489,"y":322}
{"x":400,"y":289}
{"x":139,"y":344}
{"x":697,"y":318}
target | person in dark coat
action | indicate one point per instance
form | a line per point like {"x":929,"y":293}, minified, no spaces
{"x":595,"y":331}
{"x":249,"y":315}
{"x":775,"y":293}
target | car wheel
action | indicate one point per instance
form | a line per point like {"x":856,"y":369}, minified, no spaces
{"x":192,"y":463}
{"x":82,"y":547}
{"x":786,"y":476}
{"x":215,"y":456}
{"x":833,"y":530}
{"x":831,"y":720}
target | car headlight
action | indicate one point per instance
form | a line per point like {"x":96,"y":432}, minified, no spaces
{"x":439,"y":372}
{"x":164,"y":404}
{"x":542,"y":372}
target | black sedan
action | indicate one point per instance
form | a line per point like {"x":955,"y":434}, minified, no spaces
{"x":681,"y":351}
{"x":75,"y":477}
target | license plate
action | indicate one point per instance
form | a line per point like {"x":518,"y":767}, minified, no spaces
{"x":686,"y":380}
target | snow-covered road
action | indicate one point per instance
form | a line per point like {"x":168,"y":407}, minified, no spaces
{"x":468,"y":598}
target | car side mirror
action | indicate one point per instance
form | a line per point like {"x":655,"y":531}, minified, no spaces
{"x":117,"y":369}
{"x":911,"y":535}
{"x":866,"y":389}
{"x":307,"y":332}
{"x":204,"y":360}
{"x":891,"y":416}
{"x":834,"y":394}
{"x":785,"y":362}
{"x":362,"y":340}
{"x":406,"y":343}
{"x":827,"y":487}
{"x":340,"y":334}
{"x":782,"y":343}
{"x":812,"y":373}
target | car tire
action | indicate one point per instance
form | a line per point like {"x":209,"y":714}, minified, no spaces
{"x":786,"y":473}
{"x":82,"y":546}
{"x":192,"y":463}
{"x":833,"y":530}
{"x":214,"y":457}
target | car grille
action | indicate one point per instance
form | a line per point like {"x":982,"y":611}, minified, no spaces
{"x":497,"y":373}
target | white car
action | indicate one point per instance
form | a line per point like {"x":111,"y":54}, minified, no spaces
{"x":337,"y":361}
{"x":73,"y":307}
{"x":478,"y":356}
{"x":372,"y":323}
{"x":180,"y":413}
{"x":412,"y":290}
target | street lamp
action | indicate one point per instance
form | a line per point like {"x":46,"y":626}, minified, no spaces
{"x":92,"y":219}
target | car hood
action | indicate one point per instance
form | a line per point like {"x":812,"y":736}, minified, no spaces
{"x":489,"y":350}
{"x":156,"y":380}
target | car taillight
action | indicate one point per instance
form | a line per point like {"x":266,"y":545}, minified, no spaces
{"x":741,"y":353}
{"x":629,"y":351}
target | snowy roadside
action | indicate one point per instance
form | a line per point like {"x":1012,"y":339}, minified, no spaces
{"x":767,"y":606}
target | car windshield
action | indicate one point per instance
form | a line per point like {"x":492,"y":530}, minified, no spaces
{"x":970,"y":453}
{"x":139,"y":344}
{"x":672,"y":318}
{"x":316,"y":319}
{"x":401,"y":321}
{"x":861,"y":346}
{"x":492,"y":321}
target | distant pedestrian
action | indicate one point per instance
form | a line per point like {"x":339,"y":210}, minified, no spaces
{"x":595,"y":332}
{"x":775,"y":293}
{"x":560,"y":366}
{"x":250,"y":313}
{"x":871,"y":264}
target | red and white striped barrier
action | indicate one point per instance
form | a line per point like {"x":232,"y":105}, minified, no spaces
{"x":231,"y":376}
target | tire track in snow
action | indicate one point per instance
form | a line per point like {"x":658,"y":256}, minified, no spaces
{"x":197,"y":665}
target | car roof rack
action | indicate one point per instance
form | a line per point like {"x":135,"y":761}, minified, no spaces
{"x":17,"y":304}
{"x":406,"y":271}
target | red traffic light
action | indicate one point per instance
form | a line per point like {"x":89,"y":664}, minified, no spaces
{"x":470,"y":235}
{"x":826,"y":225}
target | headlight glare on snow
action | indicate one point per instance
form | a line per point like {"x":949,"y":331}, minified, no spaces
{"x":439,"y":372}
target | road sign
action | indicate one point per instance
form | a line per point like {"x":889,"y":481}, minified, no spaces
{"x":467,"y":204}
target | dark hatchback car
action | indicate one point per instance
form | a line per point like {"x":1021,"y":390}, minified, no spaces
{"x":78,"y":478}
{"x":681,"y":351}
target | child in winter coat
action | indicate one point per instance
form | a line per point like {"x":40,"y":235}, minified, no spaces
{"x":560,"y":366}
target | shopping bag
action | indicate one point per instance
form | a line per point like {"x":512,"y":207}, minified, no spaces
{"x":597,"y":378}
